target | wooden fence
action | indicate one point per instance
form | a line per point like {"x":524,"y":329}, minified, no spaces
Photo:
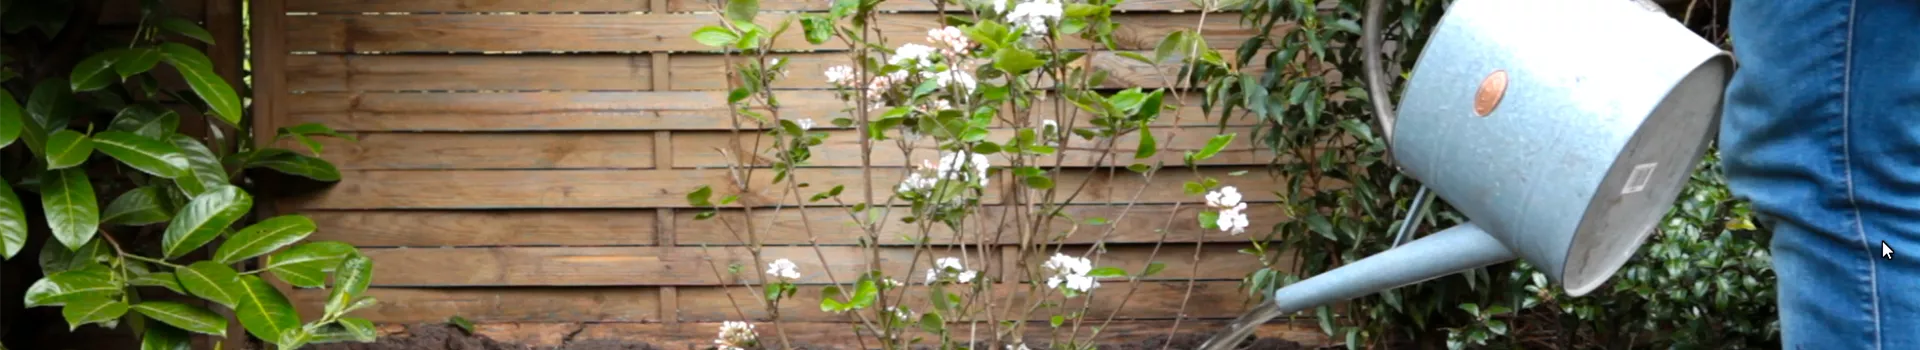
{"x":524,"y":164}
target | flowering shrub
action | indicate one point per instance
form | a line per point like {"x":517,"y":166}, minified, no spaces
{"x":995,"y":64}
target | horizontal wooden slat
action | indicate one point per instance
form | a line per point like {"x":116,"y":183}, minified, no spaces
{"x":486,"y":228}
{"x":704,"y":149}
{"x":553,"y":111}
{"x":689,"y":266}
{"x":447,"y":151}
{"x":1153,"y":300}
{"x":508,"y":189}
{"x":416,"y":305}
{"x":806,"y":70}
{"x":335,"y":72}
{"x":833,"y":335}
{"x":835,"y":226}
{"x":357,"y":6}
{"x":954,"y":7}
{"x":651,"y":32}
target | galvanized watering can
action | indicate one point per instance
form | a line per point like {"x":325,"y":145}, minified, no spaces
{"x":1562,"y":129}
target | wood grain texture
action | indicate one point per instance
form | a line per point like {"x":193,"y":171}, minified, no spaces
{"x":559,"y":111}
{"x":358,"y":6}
{"x":695,"y":266}
{"x":650,"y":32}
{"x":510,"y":189}
{"x":1153,"y":300}
{"x":486,"y":228}
{"x":335,"y":72}
{"x":714,"y":148}
{"x":835,"y":226}
{"x":693,"y":71}
{"x":417,"y":305}
{"x":448,"y":151}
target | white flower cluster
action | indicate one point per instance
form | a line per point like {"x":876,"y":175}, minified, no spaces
{"x":735,"y":336}
{"x":952,"y":77}
{"x":840,"y":75}
{"x":1070,"y":271}
{"x":902,"y":313}
{"x":1017,"y":347}
{"x":913,"y":55}
{"x":951,"y":40}
{"x":964,"y":165}
{"x":1233,"y":216}
{"x":878,"y":86}
{"x":1034,"y":15}
{"x":784,"y":269}
{"x":950,"y":266}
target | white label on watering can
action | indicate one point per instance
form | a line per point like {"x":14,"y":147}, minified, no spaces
{"x":1637,"y":181}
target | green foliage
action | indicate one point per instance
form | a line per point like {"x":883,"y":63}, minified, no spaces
{"x":172,"y":194}
{"x":1694,"y":285}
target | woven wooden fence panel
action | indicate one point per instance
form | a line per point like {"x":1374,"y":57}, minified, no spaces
{"x":524,"y":164}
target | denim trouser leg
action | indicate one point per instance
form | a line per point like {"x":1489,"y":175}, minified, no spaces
{"x":1822,"y":133}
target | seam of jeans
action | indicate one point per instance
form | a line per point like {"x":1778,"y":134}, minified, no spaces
{"x":1846,"y":156}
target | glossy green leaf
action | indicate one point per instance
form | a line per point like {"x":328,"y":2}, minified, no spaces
{"x":186,"y":28}
{"x":1148,"y":146}
{"x":205,"y":168}
{"x":306,"y":265}
{"x":67,"y":197}
{"x":264,"y":237}
{"x":146,"y":119}
{"x":1214,"y":145}
{"x":94,"y":72}
{"x":1015,"y":60}
{"x":48,"y":109}
{"x":92,"y":310}
{"x":1107,"y":272}
{"x":198,"y":71}
{"x":350,"y":280}
{"x":13,"y":222}
{"x":135,"y":61}
{"x":818,"y":29}
{"x":139,"y":206}
{"x":212,"y":281}
{"x":462,"y":323}
{"x":67,"y":148}
{"x":12,"y":118}
{"x":297,"y":164}
{"x":56,"y":257}
{"x":715,"y":36}
{"x":264,"y":311}
{"x":165,"y":337}
{"x":203,"y":219}
{"x":68,"y":286}
{"x":158,"y":279}
{"x":188,"y":317}
{"x":149,"y":155}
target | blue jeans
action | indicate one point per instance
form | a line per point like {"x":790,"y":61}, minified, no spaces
{"x":1821,"y":132}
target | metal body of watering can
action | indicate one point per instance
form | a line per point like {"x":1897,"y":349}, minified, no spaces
{"x":1562,"y":129}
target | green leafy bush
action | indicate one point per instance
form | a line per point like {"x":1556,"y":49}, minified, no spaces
{"x":95,"y":128}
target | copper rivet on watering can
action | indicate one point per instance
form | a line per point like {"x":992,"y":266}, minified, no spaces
{"x":1491,"y":90}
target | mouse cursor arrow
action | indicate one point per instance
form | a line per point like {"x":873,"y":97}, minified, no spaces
{"x":1886,"y":251}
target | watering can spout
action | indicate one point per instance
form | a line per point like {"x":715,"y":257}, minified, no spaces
{"x":1450,"y":251}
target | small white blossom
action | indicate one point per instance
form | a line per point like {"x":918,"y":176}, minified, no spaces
{"x":1082,"y":283}
{"x":901,"y":312}
{"x":1232,"y":220}
{"x":965,"y":276}
{"x":890,"y":282}
{"x":1034,"y":15}
{"x":1049,"y":123}
{"x":912,"y":55}
{"x":1226,"y":197}
{"x":950,"y":38}
{"x":735,"y":336}
{"x":957,"y":165}
{"x":916,"y":182}
{"x":839,"y":75}
{"x":1017,"y":347}
{"x":939,"y":105}
{"x":805,"y":123}
{"x":1068,"y":265}
{"x":948,"y":263}
{"x":953,"y":77}
{"x":783,"y":268}
{"x":943,"y":265}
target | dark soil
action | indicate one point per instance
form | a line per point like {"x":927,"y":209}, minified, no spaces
{"x":447,"y":337}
